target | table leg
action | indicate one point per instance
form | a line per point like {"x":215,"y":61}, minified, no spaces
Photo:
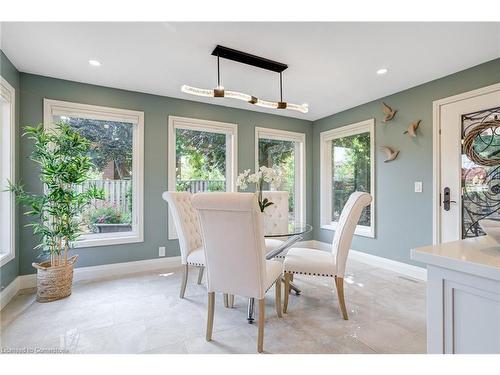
{"x":295,"y":289}
{"x":251,"y":304}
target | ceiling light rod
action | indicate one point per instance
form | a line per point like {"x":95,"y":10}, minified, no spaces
{"x":246,"y":58}
{"x":219,"y":90}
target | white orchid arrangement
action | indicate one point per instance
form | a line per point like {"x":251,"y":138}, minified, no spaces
{"x":272,"y":176}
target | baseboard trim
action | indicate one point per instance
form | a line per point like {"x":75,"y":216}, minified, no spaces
{"x":9,"y":292}
{"x":384,"y":263}
{"x":92,"y":273}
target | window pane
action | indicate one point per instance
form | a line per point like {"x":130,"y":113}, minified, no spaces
{"x":281,"y":154}
{"x":111,"y":153}
{"x":200,"y":159}
{"x":5,"y":174}
{"x":350,"y":172}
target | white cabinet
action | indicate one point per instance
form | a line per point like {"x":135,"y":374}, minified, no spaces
{"x":463,"y":296}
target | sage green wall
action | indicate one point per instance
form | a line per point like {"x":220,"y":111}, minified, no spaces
{"x":403,"y":219}
{"x":9,"y":271}
{"x":156,"y":111}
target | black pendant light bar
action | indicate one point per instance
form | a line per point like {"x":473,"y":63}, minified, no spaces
{"x":249,"y":59}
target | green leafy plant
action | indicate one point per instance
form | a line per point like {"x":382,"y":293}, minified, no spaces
{"x":62,"y":156}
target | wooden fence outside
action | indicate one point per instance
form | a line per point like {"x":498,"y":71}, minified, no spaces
{"x":197,"y":186}
{"x":116,"y":192}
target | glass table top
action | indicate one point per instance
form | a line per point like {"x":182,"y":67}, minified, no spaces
{"x":294,"y":229}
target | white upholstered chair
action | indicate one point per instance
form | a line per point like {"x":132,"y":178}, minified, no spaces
{"x":232,"y":230}
{"x":188,"y":231}
{"x":313,"y":262}
{"x":275,"y":218}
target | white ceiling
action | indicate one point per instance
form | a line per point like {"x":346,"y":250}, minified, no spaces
{"x":331,"y":65}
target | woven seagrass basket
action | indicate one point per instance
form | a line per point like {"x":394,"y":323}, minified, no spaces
{"x":54,"y":283}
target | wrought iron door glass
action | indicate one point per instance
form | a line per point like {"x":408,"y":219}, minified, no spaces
{"x":480,"y":184}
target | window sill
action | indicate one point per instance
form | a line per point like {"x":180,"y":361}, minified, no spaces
{"x":109,"y":240}
{"x":361,"y":230}
{"x":6,"y":258}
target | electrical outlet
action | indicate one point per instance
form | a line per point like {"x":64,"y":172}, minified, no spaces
{"x":161,"y":251}
{"x":418,"y":186}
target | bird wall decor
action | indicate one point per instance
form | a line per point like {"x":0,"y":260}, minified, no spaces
{"x":389,"y":112}
{"x":412,"y":128}
{"x":389,"y":153}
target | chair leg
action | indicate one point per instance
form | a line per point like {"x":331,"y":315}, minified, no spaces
{"x":277,"y":298}
{"x":226,"y":300}
{"x":260,"y":338}
{"x":210,"y":319}
{"x":230,"y":300}
{"x":339,"y":283}
{"x":200,"y":274}
{"x":288,"y":276}
{"x":184,"y":281}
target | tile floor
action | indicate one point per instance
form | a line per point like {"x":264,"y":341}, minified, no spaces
{"x":142,"y":313}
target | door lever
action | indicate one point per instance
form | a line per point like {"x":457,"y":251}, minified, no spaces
{"x":446,"y":200}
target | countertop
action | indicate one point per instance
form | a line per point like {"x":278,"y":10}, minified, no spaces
{"x":478,"y":256}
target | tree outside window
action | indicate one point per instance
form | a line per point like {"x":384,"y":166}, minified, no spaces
{"x":279,"y":153}
{"x":350,"y":172}
{"x":111,"y":153}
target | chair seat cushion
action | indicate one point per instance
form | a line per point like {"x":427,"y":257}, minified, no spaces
{"x":273,"y":270}
{"x":196,"y":257}
{"x":309,"y":262}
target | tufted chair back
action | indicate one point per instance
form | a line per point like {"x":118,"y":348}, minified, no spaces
{"x":345,"y":229}
{"x":276,"y":215}
{"x":233,"y":242}
{"x":186,"y":221}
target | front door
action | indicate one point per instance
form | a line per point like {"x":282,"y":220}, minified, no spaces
{"x":469,"y":163}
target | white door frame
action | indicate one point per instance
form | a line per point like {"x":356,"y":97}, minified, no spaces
{"x":436,"y":151}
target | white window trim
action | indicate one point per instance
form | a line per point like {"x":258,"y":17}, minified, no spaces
{"x":9,"y":93}
{"x":300,"y":162}
{"x":229,"y":129}
{"x":326,"y":174}
{"x":57,"y":107}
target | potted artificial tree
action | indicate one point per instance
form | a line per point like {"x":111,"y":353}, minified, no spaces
{"x":63,"y":158}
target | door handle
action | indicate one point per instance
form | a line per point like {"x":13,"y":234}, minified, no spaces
{"x":446,"y":200}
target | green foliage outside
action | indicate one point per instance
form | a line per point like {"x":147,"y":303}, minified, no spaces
{"x":351,"y":171}
{"x":200,"y":156}
{"x":111,"y":142}
{"x":275,"y":153}
{"x":109,"y":215}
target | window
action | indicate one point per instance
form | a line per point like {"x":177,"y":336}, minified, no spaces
{"x":7,"y":160}
{"x":117,"y":152}
{"x":202,"y":157}
{"x":347,"y":165}
{"x":285,"y":150}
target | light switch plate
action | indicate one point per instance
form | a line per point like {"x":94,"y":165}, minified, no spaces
{"x":161,"y":251}
{"x":418,"y":186}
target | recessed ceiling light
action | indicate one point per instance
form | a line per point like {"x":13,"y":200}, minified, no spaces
{"x":381,"y":72}
{"x":94,"y":63}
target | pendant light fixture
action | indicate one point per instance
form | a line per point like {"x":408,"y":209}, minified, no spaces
{"x":246,"y":58}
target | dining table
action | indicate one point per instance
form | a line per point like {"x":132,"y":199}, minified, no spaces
{"x":293,"y":233}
